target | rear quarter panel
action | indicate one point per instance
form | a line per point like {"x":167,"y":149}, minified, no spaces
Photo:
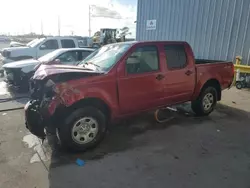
{"x":222,"y":72}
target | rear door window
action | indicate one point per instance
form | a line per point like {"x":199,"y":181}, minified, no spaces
{"x":68,"y":43}
{"x":85,"y":54}
{"x":175,"y":56}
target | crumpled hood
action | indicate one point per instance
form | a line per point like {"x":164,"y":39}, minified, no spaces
{"x":22,"y":63}
{"x":20,"y":51}
{"x":47,"y":70}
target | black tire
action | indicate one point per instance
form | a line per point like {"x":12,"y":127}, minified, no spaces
{"x":238,"y":85}
{"x":197,"y":105}
{"x":65,"y":130}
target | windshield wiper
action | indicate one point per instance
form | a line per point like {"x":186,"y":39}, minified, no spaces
{"x":93,"y":64}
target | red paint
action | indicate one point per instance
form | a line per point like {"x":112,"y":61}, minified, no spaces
{"x":130,"y":94}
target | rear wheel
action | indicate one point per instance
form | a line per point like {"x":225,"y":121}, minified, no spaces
{"x":206,"y":102}
{"x":83,"y":129}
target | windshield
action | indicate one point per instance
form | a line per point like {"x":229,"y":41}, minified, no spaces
{"x":50,"y":56}
{"x":105,"y":57}
{"x":35,"y":42}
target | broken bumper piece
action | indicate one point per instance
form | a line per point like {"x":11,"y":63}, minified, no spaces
{"x":34,"y":120}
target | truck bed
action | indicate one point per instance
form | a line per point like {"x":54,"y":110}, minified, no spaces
{"x":221,"y":70}
{"x":206,"y":61}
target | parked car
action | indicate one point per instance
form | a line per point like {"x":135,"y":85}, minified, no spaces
{"x":127,"y":79}
{"x":39,"y":47}
{"x":18,"y":73}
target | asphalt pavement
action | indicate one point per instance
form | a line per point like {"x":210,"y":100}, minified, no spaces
{"x":184,"y":152}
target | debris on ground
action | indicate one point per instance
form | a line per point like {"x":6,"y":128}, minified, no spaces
{"x":80,"y":162}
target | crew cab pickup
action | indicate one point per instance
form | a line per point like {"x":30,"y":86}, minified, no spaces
{"x":117,"y":81}
{"x":40,"y":47}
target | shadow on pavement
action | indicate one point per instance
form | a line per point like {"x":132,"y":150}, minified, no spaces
{"x":139,"y":152}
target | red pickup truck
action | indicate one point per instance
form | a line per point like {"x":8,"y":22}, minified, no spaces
{"x":120,"y":80}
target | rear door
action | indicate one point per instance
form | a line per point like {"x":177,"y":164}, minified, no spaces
{"x":84,"y":54}
{"x":68,"y":43}
{"x":179,"y":82}
{"x":141,"y":86}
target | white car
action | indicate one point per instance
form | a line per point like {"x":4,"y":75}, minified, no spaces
{"x":39,"y":47}
{"x":19,"y":72}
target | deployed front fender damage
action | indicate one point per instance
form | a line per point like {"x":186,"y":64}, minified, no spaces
{"x":65,"y":95}
{"x":39,"y":114}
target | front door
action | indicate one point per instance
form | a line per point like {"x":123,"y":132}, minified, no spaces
{"x":141,"y":86}
{"x":68,"y":58}
{"x":180,"y":75}
{"x":47,"y":47}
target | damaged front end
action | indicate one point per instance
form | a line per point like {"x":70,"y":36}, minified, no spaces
{"x":51,"y":96}
{"x":38,"y":116}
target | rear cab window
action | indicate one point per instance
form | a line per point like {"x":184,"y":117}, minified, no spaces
{"x":144,"y":59}
{"x":68,"y":43}
{"x":176,"y":57}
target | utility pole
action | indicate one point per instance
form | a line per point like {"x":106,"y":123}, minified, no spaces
{"x":30,"y":28}
{"x":59,"y":26}
{"x":41,"y":27}
{"x":89,"y":20}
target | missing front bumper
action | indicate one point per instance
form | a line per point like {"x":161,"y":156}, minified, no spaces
{"x":34,"y":120}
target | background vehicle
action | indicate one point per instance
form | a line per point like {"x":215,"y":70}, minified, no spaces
{"x":16,"y":44}
{"x":242,"y":81}
{"x":129,"y":78}
{"x":40,"y":47}
{"x":19,"y":72}
{"x":109,"y":35}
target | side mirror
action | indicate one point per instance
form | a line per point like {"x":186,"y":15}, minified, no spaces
{"x":42,"y":47}
{"x":57,"y":61}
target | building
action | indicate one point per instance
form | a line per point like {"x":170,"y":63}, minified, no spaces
{"x":216,"y":29}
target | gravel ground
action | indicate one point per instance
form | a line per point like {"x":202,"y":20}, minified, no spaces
{"x":185,"y":152}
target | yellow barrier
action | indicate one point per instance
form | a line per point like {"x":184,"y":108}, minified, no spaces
{"x":242,"y":68}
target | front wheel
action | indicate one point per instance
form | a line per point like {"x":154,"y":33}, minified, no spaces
{"x":83,"y":129}
{"x":206,"y":102}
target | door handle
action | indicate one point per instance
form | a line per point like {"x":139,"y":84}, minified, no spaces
{"x":160,"y":77}
{"x":189,"y":72}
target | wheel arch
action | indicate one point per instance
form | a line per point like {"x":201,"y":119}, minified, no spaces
{"x":95,"y":102}
{"x":213,"y":83}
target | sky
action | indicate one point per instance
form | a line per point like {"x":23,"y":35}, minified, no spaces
{"x":25,"y":16}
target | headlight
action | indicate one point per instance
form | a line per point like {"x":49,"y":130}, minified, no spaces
{"x":49,"y":90}
{"x":6,"y":53}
